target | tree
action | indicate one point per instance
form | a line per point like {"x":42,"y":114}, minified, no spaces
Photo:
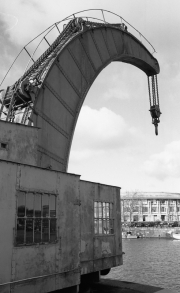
{"x":130,"y":205}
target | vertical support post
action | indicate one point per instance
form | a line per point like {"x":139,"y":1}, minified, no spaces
{"x":47,"y":41}
{"x":10,"y":107}
{"x":57,"y":28}
{"x":140,"y":37}
{"x":3,"y":99}
{"x":28,"y":54}
{"x":103,"y":15}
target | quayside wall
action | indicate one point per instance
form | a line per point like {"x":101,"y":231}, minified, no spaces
{"x":152,"y":232}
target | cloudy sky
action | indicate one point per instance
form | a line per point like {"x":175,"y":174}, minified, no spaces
{"x":114,"y":141}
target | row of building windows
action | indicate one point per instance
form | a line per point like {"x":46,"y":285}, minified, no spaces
{"x":161,"y":201}
{"x":153,"y":209}
{"x":37,"y":221}
{"x":150,"y":210}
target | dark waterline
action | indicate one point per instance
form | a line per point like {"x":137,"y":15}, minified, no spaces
{"x":150,"y":261}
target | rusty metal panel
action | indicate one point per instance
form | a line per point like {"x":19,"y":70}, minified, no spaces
{"x":36,"y":260}
{"x":104,"y":193}
{"x":60,"y":83}
{"x":69,"y":221}
{"x":38,"y":179}
{"x":104,"y":246}
{"x":118,"y":39}
{"x":71,"y":68}
{"x":101,"y":44}
{"x":18,"y":143}
{"x":55,"y":110}
{"x":104,"y":263}
{"x":49,"y":127}
{"x":117,"y":222}
{"x":78,"y":52}
{"x":91,"y":49}
{"x":110,"y":42}
{"x":132,"y":47}
{"x":87,"y":220}
{"x":45,"y":284}
{"x":7,"y":222}
{"x":99,"y":251}
{"x":41,"y":267}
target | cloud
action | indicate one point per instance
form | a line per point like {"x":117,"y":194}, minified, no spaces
{"x":115,"y":93}
{"x":9,"y":20}
{"x":165,"y":164}
{"x":100,"y":131}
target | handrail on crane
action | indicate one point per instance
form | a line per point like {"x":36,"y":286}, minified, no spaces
{"x":55,"y":26}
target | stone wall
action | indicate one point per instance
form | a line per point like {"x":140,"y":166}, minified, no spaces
{"x":151,"y":232}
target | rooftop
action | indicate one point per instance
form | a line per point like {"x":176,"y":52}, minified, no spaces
{"x":150,"y":195}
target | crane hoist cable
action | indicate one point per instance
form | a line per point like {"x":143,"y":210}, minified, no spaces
{"x":154,"y":101}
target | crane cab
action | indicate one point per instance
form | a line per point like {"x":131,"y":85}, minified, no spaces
{"x":57,"y":230}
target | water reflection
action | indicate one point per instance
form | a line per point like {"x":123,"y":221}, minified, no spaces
{"x":153,"y":262}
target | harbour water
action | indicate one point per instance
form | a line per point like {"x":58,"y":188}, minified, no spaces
{"x":150,"y":261}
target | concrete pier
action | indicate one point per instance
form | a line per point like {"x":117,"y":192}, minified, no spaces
{"x":115,"y":286}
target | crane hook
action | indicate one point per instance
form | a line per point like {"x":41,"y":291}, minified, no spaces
{"x":156,"y":128}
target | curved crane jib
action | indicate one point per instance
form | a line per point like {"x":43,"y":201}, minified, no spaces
{"x":51,"y":93}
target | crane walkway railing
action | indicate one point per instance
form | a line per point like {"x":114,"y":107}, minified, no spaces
{"x":15,"y":102}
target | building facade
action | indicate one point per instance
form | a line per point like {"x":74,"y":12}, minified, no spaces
{"x":150,"y":206}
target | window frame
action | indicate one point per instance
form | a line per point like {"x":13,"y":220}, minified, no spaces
{"x":35,"y":218}
{"x":154,"y":209}
{"x":108,"y":229}
{"x":145,"y":209}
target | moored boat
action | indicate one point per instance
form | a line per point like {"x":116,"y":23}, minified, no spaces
{"x":129,"y":235}
{"x":176,"y":236}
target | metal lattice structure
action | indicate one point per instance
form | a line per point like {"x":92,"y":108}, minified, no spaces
{"x":50,"y":94}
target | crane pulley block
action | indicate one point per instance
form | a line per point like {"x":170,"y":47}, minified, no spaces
{"x":154,"y":101}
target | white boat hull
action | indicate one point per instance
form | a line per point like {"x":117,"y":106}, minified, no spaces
{"x":176,"y":236}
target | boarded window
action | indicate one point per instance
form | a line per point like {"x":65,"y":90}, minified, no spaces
{"x":36,"y":218}
{"x":103,"y":218}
